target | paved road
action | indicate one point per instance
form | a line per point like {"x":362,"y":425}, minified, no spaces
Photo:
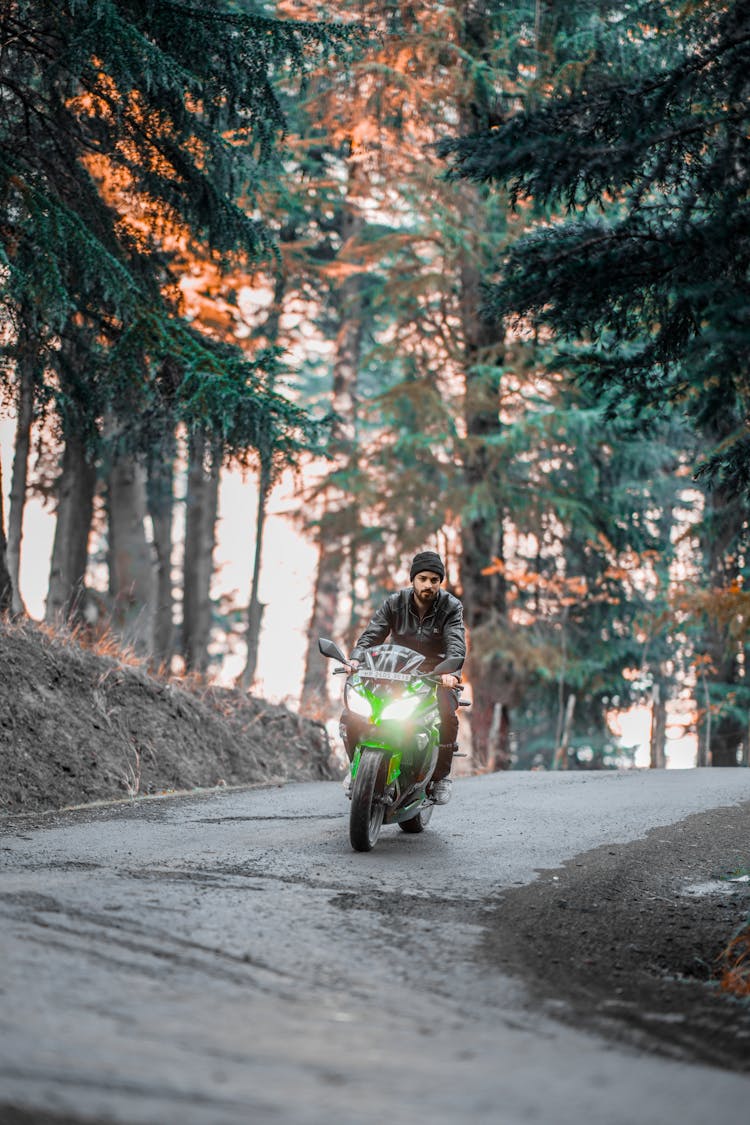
{"x":228,"y":959}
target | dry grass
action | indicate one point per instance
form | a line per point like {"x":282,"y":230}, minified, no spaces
{"x":103,"y":642}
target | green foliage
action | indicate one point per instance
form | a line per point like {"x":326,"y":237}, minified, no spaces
{"x":584,"y":569}
{"x":127,"y":130}
{"x":647,"y":152}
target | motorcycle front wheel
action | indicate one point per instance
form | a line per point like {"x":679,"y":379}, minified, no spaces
{"x":419,"y":822}
{"x":367,"y":812}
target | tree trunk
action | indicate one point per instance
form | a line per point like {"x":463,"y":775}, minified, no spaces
{"x":265,"y":483}
{"x":255,"y":606}
{"x":498,"y":739}
{"x":314,"y":697}
{"x":482,"y":533}
{"x":658,"y":758}
{"x":6,"y":585}
{"x":131,"y":569}
{"x":204,"y":470}
{"x":703,"y":757}
{"x":723,"y":529}
{"x":326,"y":594}
{"x":560,"y":760}
{"x":27,"y":375}
{"x":160,"y":497}
{"x":726,"y":741}
{"x":75,"y":507}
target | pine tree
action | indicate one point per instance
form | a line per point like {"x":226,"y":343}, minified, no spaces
{"x":638,"y":171}
{"x":128,"y":131}
{"x":6,"y":586}
{"x":658,"y":276}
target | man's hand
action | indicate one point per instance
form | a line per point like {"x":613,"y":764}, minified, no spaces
{"x":447,"y":679}
{"x":352,"y":665}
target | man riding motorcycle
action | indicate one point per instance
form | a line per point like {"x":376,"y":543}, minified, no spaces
{"x":429,"y":620}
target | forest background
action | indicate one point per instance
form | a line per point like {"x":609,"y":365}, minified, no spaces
{"x":471,"y":277}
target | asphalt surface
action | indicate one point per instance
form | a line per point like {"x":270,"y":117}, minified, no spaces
{"x":227,"y":958}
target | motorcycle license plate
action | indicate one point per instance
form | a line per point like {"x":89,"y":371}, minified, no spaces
{"x":403,"y":676}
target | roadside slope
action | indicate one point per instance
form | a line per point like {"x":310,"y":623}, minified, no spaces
{"x":77,"y":727}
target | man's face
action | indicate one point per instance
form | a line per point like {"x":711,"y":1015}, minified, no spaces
{"x":426,"y":587}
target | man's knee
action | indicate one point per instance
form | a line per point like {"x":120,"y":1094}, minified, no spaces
{"x":448,"y":725}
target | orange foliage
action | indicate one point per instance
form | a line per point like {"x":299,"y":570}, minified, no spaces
{"x":199,"y":287}
{"x":734,"y":965}
{"x":727,"y":606}
{"x":567,"y":591}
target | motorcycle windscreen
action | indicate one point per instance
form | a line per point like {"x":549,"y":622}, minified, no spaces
{"x":393,"y":658}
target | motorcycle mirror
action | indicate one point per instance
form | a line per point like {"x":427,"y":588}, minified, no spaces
{"x":331,"y":650}
{"x":451,"y":665}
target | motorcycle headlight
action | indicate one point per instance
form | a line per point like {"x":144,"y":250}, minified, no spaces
{"x":401,"y":708}
{"x":357,"y":703}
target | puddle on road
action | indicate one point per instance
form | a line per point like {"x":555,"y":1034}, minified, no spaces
{"x":727,"y":886}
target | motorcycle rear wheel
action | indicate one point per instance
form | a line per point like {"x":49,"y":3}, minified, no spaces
{"x":419,"y":822}
{"x":367,"y":812}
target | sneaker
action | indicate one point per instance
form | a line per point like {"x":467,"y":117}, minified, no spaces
{"x":347,"y":785}
{"x":441,"y":791}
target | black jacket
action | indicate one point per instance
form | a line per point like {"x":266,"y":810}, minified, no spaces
{"x":438,"y":636}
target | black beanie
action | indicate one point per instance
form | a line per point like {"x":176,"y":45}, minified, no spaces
{"x":427,"y":560}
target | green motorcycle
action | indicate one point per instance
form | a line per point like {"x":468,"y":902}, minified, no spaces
{"x":395,"y":723}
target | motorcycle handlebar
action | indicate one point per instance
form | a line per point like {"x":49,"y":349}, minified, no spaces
{"x":416,"y":676}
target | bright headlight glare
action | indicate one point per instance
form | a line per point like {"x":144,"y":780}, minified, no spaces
{"x":400,"y":708}
{"x":358,"y":704}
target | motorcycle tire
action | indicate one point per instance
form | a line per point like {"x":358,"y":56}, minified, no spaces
{"x":367,"y":813}
{"x":419,"y":822}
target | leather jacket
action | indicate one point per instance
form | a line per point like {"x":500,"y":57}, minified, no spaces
{"x":439,"y":635}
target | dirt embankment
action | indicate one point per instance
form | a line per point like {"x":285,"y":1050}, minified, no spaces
{"x":635,"y":940}
{"x":77,"y":727}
